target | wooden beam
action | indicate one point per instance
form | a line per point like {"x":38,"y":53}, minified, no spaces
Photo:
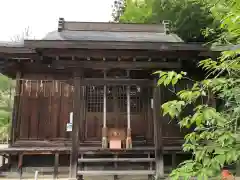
{"x":67,"y":67}
{"x":77,"y":111}
{"x":16,"y":50}
{"x":120,"y":65}
{"x":158,"y":140}
{"x":133,"y":160}
{"x":110,"y":81}
{"x":116,"y":172}
{"x":125,"y":54}
{"x":116,"y":81}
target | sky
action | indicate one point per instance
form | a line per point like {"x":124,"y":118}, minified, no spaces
{"x":41,"y":16}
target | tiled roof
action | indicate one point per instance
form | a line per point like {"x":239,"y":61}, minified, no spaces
{"x":112,"y":36}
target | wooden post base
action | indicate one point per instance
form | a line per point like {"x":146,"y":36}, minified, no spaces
{"x":129,"y":139}
{"x":104,"y":138}
{"x":20,"y":164}
{"x":104,"y":142}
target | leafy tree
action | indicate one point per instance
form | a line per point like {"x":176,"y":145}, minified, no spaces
{"x":6,"y":102}
{"x":137,"y":11}
{"x":7,"y":86}
{"x":189,"y":18}
{"x":118,"y":9}
{"x":215,"y":139}
{"x":5,"y":83}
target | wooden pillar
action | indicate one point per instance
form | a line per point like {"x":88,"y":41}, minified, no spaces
{"x":174,"y":164}
{"x":148,"y":112}
{"x":158,"y":141}
{"x":56,"y":164}
{"x":104,"y":129}
{"x":15,"y":114}
{"x":129,"y":136}
{"x":77,"y":112}
{"x":20,"y":165}
{"x":83,"y":115}
{"x":3,"y":160}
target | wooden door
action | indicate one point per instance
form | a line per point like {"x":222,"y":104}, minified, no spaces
{"x":94,"y":113}
{"x":116,"y":107}
{"x":116,"y":115}
{"x":117,"y":111}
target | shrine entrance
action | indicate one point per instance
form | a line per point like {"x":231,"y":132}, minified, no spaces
{"x":125,"y":108}
{"x":112,"y":107}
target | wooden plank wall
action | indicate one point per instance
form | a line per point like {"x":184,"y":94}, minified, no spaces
{"x":44,"y":112}
{"x":44,"y":108}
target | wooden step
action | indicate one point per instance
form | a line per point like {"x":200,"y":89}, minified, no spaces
{"x":117,"y":172}
{"x":85,"y":160}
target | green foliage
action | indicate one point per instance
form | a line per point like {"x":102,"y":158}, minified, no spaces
{"x":214,"y":140}
{"x":192,"y":20}
{"x":228,"y":12}
{"x":189,"y":18}
{"x":137,"y":11}
{"x":6,"y":102}
{"x":5,"y":83}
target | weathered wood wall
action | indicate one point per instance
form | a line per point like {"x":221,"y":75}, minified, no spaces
{"x":44,"y":108}
{"x":45,"y":105}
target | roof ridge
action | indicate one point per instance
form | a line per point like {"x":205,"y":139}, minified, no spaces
{"x":108,"y":26}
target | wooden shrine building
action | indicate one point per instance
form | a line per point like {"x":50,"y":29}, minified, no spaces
{"x":86,"y":95}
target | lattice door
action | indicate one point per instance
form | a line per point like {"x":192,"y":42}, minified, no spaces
{"x":116,"y":108}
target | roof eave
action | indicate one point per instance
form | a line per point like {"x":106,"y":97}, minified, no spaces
{"x":121,"y":45}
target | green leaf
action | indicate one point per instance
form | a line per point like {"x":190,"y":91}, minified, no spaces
{"x":161,"y":80}
{"x":176,"y":79}
{"x":169,"y":78}
{"x":220,"y":159}
{"x":173,"y":108}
